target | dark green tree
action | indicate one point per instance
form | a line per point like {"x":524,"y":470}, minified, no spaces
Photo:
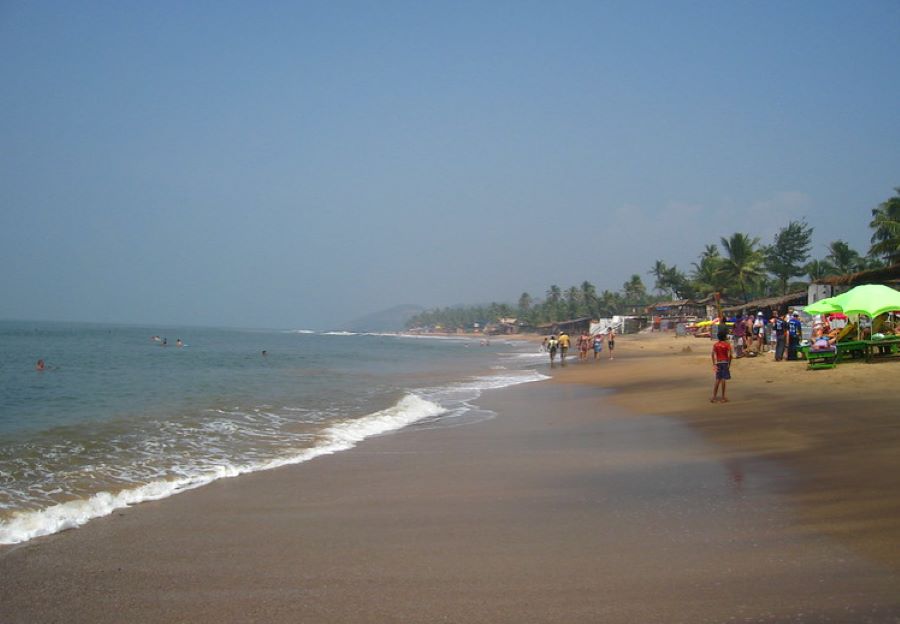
{"x":707,"y":276}
{"x":843,"y":258}
{"x":634,"y":293}
{"x":886,"y":225}
{"x":742,"y":264}
{"x":786,"y":257}
{"x":817,"y":269}
{"x":658,"y":271}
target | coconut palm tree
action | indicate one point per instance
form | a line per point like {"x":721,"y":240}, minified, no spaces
{"x":589,"y":297}
{"x":886,"y":223}
{"x":634,"y":292}
{"x":817,"y":269}
{"x":658,"y":271}
{"x":843,"y":258}
{"x":743,"y":262}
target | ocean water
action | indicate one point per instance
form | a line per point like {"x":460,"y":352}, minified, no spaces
{"x":117,"y":418}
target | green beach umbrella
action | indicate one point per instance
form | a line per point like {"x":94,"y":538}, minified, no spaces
{"x":869,"y":299}
{"x":823,"y":306}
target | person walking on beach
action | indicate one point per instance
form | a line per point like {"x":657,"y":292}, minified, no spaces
{"x":563,"y":347}
{"x":611,"y":341}
{"x":722,"y":354}
{"x":598,"y":346}
{"x":584,"y":343}
{"x":552,"y":346}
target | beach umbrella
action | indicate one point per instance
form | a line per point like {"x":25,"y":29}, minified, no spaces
{"x":869,"y":299}
{"x":823,"y":306}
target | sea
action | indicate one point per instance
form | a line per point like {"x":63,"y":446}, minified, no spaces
{"x":124,"y":414}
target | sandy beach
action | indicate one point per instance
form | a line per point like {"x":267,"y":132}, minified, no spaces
{"x":614,"y":493}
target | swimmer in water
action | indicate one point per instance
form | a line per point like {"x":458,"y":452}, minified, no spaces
{"x":40,"y":365}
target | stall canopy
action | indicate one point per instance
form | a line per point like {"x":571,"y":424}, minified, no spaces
{"x":870,"y":299}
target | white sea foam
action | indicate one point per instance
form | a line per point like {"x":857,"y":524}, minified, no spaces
{"x":344,"y":435}
{"x":339,"y":333}
{"x":300,"y":331}
{"x":453,"y":402}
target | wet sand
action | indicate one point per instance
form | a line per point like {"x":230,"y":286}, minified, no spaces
{"x":571,"y":505}
{"x":836,"y":431}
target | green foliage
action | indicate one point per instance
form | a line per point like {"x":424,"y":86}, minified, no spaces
{"x":745,"y":269}
{"x":886,"y":223}
{"x":817,"y":269}
{"x":843,"y":258}
{"x":634,"y":293}
{"x":743,"y":263}
{"x":787,"y":256}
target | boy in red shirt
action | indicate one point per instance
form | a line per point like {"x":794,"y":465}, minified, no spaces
{"x":722,"y":355}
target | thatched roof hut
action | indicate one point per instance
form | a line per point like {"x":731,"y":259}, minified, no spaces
{"x":797,"y":298}
{"x":886,"y":275}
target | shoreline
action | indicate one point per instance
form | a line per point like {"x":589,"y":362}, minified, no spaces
{"x":574,"y":503}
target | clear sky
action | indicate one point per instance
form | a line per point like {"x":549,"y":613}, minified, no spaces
{"x":297,"y":164}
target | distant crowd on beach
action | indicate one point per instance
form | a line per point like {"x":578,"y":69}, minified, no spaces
{"x":586,"y":343}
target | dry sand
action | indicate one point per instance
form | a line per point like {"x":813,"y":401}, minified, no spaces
{"x":571,"y":505}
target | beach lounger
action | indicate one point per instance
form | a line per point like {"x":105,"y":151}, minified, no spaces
{"x":821,"y":358}
{"x":840,"y":352}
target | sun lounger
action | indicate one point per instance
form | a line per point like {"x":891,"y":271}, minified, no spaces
{"x":829,"y":358}
{"x":821,"y":358}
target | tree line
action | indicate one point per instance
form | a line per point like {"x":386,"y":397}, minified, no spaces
{"x":739,"y":266}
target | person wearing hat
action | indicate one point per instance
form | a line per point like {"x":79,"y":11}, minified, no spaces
{"x":759,"y":332}
{"x":779,"y":328}
{"x":795,"y":331}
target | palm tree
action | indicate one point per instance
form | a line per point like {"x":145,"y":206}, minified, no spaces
{"x":886,"y":223}
{"x":589,"y":297}
{"x":609,"y":303}
{"x":553,"y":304}
{"x":843,"y":258}
{"x":634,"y":292}
{"x":707,"y":274}
{"x":817,"y":269}
{"x":743,"y":262}
{"x":525,"y":302}
{"x":709,"y":252}
{"x":659,"y":272}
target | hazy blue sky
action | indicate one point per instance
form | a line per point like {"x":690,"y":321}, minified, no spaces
{"x":298,"y":164}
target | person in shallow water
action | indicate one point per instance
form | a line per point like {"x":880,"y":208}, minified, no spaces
{"x":563,"y":346}
{"x":552,"y":346}
{"x":40,"y":365}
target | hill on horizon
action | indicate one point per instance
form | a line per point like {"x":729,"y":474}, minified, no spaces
{"x":391,"y":320}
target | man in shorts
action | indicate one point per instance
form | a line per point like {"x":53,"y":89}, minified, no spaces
{"x":563,"y":346}
{"x":722,"y":354}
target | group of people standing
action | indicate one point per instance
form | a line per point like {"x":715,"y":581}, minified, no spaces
{"x":752,"y":334}
{"x":560,"y":345}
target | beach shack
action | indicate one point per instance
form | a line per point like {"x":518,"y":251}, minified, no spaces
{"x":666,"y":314}
{"x":768,"y":305}
{"x":571,"y":326}
{"x":837,"y":284}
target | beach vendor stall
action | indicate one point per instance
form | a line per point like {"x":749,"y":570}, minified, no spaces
{"x":868,"y":310}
